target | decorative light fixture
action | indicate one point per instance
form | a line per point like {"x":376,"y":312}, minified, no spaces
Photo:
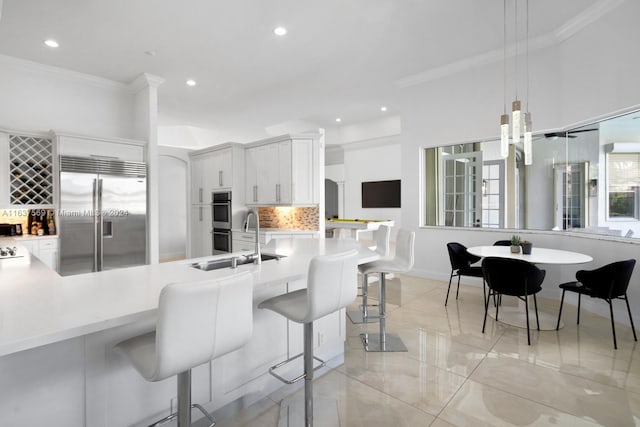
{"x":519,"y":121}
{"x":504,"y":119}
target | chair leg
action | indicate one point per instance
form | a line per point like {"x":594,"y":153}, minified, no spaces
{"x":448,"y":289}
{"x":484,"y":290}
{"x":535,"y":304}
{"x":498,"y":305}
{"x":633,"y":328}
{"x":613,"y":325}
{"x":486,"y":308}
{"x":308,"y":374}
{"x":526,"y":309}
{"x":579,"y":298}
{"x":458,"y":290}
{"x":560,"y":311}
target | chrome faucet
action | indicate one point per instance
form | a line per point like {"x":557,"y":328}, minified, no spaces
{"x":254,"y":212}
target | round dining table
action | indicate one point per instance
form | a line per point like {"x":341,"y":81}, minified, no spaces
{"x":515,"y":316}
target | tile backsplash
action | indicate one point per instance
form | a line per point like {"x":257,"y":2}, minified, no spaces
{"x":290,"y":218}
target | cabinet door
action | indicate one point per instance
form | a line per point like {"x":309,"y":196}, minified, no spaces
{"x":251,"y":176}
{"x":209,"y":176}
{"x":242,"y":245}
{"x":201,"y":228}
{"x":224,"y":168}
{"x":268,"y":176}
{"x":302,"y":171}
{"x":197,"y":180}
{"x":284,"y":172}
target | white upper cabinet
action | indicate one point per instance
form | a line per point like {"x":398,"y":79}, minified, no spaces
{"x":211,"y":170}
{"x":281,"y":172}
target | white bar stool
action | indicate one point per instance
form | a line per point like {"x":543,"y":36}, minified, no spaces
{"x":381,"y":236}
{"x":331,"y":285}
{"x":400,"y":263}
{"x":197,"y":322}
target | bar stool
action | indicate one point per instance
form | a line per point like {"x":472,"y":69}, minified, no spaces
{"x":400,"y":263}
{"x":331,"y":285}
{"x":197,"y":322}
{"x":381,"y":237}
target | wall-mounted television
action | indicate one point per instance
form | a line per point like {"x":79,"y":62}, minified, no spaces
{"x":381,"y":194}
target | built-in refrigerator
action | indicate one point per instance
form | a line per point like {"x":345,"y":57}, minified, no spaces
{"x":103,"y":214}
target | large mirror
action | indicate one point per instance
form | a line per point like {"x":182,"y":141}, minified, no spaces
{"x":581,"y":180}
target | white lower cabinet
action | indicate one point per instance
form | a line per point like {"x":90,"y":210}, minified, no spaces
{"x":45,"y":249}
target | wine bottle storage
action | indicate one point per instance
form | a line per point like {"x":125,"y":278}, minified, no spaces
{"x":31,"y":164}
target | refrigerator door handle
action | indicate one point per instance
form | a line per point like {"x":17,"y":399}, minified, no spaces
{"x":94,"y":206}
{"x":100,"y":226}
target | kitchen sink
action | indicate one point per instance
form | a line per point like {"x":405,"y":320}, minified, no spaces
{"x":217,"y":264}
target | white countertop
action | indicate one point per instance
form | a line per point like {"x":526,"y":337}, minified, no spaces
{"x":39,"y":307}
{"x":276,"y":231}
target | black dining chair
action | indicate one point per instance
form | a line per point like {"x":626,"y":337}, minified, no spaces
{"x":461,"y":261}
{"x":512,"y":277}
{"x":609,"y":282}
{"x":502,"y":243}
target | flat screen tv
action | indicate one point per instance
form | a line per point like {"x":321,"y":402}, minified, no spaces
{"x":381,"y":194}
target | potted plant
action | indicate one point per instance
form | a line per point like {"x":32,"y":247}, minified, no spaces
{"x":526,"y":247}
{"x":515,"y":244}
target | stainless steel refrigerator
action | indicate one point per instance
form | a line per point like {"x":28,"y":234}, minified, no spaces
{"x":103,"y":214}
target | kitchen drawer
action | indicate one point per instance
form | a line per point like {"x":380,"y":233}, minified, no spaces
{"x":246,"y":236}
{"x":48,"y":244}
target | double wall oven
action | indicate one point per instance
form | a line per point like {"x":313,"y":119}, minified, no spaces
{"x":221,"y":216}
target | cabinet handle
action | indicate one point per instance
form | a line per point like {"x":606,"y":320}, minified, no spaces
{"x":200,"y":208}
{"x":293,"y":191}
{"x":255,"y":193}
{"x":277,"y":192}
{"x":220,"y":178}
{"x":200,"y":195}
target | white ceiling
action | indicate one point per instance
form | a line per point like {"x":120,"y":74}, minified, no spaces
{"x":341,"y":58}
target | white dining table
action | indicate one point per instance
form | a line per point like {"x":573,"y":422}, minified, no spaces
{"x":515,"y":316}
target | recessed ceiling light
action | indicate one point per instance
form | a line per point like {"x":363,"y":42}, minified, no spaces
{"x":383,"y":108}
{"x":191,"y":82}
{"x":51,"y":43}
{"x":280,"y":31}
{"x":338,"y":120}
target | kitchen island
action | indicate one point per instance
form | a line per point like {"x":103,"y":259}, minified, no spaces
{"x":57,"y":334}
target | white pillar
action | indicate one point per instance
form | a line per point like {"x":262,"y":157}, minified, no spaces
{"x":145,"y":88}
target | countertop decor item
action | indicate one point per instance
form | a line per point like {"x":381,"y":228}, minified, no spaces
{"x":515,"y":244}
{"x":526,"y":247}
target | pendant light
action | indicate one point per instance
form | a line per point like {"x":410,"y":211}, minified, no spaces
{"x":504,"y":118}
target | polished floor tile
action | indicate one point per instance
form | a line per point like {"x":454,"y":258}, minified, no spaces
{"x":454,"y":375}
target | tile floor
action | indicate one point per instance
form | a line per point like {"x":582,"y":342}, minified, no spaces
{"x":453,"y":375}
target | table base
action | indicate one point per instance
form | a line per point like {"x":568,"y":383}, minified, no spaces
{"x":356,"y":316}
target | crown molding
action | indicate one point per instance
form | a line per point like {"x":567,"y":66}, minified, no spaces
{"x":557,"y":36}
{"x":63,"y":73}
{"x":383,"y":141}
{"x":145,"y":80}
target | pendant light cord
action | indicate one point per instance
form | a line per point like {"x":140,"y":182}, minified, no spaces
{"x":515,"y":36}
{"x":505,"y":55}
{"x":527,"y":46}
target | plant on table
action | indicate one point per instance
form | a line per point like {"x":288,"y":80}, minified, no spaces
{"x":515,"y":244}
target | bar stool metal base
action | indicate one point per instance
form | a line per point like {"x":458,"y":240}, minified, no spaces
{"x":390,"y":342}
{"x":356,"y":316}
{"x":292,"y":412}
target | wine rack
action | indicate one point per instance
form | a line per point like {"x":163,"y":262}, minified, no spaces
{"x":31,"y":170}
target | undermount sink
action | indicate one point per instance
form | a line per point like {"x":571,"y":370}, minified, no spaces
{"x":217,"y":264}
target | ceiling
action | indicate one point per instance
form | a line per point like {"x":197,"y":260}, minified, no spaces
{"x":339,"y":59}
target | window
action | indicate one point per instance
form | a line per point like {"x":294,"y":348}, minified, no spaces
{"x":623,"y":185}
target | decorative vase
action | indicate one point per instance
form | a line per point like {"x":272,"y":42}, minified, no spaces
{"x":526,"y":248}
{"x":515,"y":249}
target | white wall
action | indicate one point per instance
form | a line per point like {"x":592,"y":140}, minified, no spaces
{"x":379,"y":160}
{"x":40,"y":98}
{"x":593,"y":73}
